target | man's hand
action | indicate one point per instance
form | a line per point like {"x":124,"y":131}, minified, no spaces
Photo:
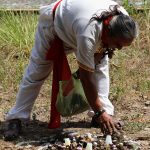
{"x":106,"y":123}
{"x":88,"y":82}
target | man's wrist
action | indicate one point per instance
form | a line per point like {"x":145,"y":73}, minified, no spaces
{"x":99,"y":113}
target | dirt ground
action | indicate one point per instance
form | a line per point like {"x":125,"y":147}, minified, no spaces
{"x":136,"y":117}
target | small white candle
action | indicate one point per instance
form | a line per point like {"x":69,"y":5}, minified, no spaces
{"x":88,"y":146}
{"x":108,"y":139}
{"x":67,"y":141}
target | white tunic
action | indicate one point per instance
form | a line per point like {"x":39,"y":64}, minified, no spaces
{"x":73,"y":26}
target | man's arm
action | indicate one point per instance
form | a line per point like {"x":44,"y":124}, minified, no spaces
{"x":88,"y":82}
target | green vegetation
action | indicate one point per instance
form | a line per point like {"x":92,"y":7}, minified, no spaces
{"x":16,"y":40}
{"x":17,"y":32}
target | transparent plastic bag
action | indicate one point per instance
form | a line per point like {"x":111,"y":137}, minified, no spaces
{"x":71,"y":99}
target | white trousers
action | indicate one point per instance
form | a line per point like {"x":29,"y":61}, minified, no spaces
{"x":39,"y":69}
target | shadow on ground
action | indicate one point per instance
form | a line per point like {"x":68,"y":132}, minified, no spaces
{"x":39,"y":131}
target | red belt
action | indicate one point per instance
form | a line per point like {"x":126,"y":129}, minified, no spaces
{"x":61,"y":71}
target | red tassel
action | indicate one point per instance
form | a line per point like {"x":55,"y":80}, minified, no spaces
{"x":107,"y":20}
{"x":61,"y":71}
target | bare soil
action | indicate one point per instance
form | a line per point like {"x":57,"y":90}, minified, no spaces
{"x":132,"y":110}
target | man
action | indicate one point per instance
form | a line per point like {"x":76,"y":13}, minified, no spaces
{"x":90,"y":29}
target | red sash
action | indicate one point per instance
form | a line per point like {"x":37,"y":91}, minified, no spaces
{"x":61,"y":71}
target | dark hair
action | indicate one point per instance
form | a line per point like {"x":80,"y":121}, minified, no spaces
{"x":121,"y":25}
{"x":113,"y":10}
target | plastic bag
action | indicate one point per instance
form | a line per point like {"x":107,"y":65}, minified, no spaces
{"x":71,"y":99}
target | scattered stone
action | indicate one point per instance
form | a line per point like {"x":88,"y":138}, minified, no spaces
{"x":120,"y":146}
{"x":28,"y":146}
{"x":73,"y":134}
{"x":147,"y":129}
{"x":90,"y":113}
{"x":22,"y":144}
{"x":43,"y":148}
{"x":145,"y":97}
{"x":147,"y":103}
{"x":133,"y":145}
{"x":75,"y":141}
{"x":95,"y":144}
{"x":88,"y":135}
{"x":114,"y":147}
{"x":79,"y":148}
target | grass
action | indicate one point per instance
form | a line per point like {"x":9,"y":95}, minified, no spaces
{"x":135,"y":122}
{"x":133,"y":127}
{"x":16,"y":40}
{"x":17,"y":32}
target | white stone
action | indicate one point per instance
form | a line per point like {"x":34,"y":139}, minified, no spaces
{"x":90,"y":113}
{"x":89,"y":135}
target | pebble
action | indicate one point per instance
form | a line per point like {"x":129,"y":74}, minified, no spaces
{"x":147,"y":103}
{"x":74,"y":144}
{"x":95,"y":144}
{"x":43,"y":148}
{"x":133,"y":145}
{"x":79,"y":148}
{"x":115,"y":142}
{"x":21,"y":144}
{"x":74,"y":134}
{"x":90,"y":113}
{"x":73,"y":140}
{"x":147,"y":129}
{"x":89,"y":135}
{"x":120,"y":146}
{"x":28,"y":146}
{"x":81,"y":142}
{"x":114,"y":146}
